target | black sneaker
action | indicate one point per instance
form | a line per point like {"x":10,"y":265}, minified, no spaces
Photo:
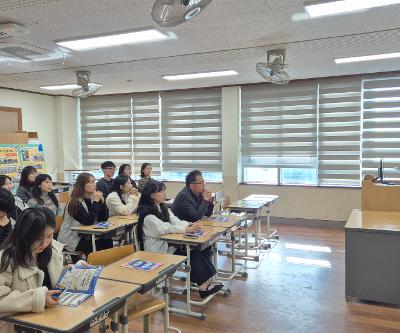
{"x":217,"y":287}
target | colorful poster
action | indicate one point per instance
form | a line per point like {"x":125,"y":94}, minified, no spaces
{"x":32,"y":154}
{"x":9,"y":161}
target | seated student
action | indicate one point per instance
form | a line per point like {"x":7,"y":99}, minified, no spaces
{"x":24,"y":190}
{"x":30,"y":265}
{"x":155,"y":220}
{"x":105,"y":184}
{"x":6,"y":182}
{"x":7,"y":207}
{"x":42,"y":194}
{"x":86,"y":206}
{"x":194,"y":201}
{"x":126,"y":170}
{"x":124,"y":199}
{"x":145,"y":175}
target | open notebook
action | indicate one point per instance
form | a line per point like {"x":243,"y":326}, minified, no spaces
{"x":78,"y":284}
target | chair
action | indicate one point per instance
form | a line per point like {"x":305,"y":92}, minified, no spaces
{"x":138,"y":305}
{"x":221,"y":201}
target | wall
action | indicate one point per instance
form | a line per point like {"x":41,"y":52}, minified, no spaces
{"x":40,"y":113}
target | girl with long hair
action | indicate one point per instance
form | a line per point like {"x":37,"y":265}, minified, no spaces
{"x":24,"y":190}
{"x":86,"y":206}
{"x":42,"y":194}
{"x":30,"y":264}
{"x":126,"y":170}
{"x":6,"y":183}
{"x":145,"y":175}
{"x":124,"y":198}
{"x":155,"y":220}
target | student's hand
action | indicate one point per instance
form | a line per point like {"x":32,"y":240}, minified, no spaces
{"x":134,"y":191}
{"x":50,"y":301}
{"x":207,"y":195}
{"x":4,"y":220}
{"x":98,"y":196}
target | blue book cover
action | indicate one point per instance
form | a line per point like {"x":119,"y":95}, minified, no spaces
{"x":102,"y":225}
{"x":78,"y":284}
{"x":195,"y":234}
{"x":142,"y":265}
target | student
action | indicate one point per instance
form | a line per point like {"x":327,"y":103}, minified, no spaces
{"x":105,"y":184}
{"x":6,"y":182}
{"x":145,"y":175}
{"x":155,"y":220}
{"x":42,"y":194}
{"x":126,"y":170}
{"x":194,"y":201}
{"x":86,"y":206}
{"x":30,"y":265}
{"x":124,"y":199}
{"x":24,"y":190}
{"x":7,"y":207}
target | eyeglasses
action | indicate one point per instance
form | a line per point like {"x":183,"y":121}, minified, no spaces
{"x":111,"y":168}
{"x":201,"y":183}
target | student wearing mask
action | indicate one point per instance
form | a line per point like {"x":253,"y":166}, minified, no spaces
{"x":105,"y":184}
{"x":24,"y":190}
{"x":124,"y":199}
{"x":42,"y":195}
{"x":86,"y":206}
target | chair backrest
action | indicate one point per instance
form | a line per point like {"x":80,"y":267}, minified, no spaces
{"x":108,"y":256}
{"x":59,"y":220}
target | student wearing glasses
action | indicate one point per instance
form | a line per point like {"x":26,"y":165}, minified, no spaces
{"x":105,"y":184}
{"x":194,"y":201}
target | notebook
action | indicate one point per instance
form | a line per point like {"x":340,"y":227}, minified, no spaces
{"x":102,"y":225}
{"x":219,"y":219}
{"x":78,"y":284}
{"x":141,"y":265}
{"x":195,"y":234}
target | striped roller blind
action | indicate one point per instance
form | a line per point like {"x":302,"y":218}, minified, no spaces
{"x":339,"y":131}
{"x":279,"y":124}
{"x":106,"y":130}
{"x":146,"y":131}
{"x":191,"y":130}
{"x":381,"y":124}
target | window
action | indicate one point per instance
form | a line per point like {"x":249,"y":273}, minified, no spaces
{"x":381,"y":125}
{"x":191,"y":133}
{"x":279,"y":132}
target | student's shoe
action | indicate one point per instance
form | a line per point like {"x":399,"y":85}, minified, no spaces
{"x":217,"y":287}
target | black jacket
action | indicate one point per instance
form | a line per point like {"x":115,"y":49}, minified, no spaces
{"x":190,"y":207}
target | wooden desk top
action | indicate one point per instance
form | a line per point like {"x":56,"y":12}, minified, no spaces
{"x":373,"y":220}
{"x":108,"y":294}
{"x":115,"y":224}
{"x":115,"y":272}
{"x":268,"y":199}
{"x":234,"y":220}
{"x":211,"y":233}
{"x":131,"y":218}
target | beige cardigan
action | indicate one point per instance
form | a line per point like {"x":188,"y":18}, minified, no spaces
{"x":22,"y":290}
{"x":117,"y":207}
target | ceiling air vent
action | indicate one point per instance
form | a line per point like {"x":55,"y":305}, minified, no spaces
{"x":12,"y":30}
{"x":25,"y":52}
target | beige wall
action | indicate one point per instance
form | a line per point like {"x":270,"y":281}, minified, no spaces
{"x":40,"y":113}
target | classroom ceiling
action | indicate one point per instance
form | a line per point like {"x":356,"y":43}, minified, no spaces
{"x":228,"y":34}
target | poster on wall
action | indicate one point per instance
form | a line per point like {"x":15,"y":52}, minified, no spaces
{"x":9,"y":161}
{"x":32,"y":154}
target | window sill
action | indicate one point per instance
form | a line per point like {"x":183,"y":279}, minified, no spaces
{"x":299,"y":185}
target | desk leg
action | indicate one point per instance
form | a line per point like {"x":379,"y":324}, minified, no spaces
{"x":114,"y":323}
{"x":124,"y":318}
{"x":167,"y":328}
{"x":94,"y":243}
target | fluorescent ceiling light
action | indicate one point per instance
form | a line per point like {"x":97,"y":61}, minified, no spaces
{"x":368,"y":58}
{"x":199,"y":75}
{"x":61,"y":87}
{"x":317,"y":9}
{"x":114,"y":40}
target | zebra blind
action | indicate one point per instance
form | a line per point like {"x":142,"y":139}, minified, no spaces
{"x":339,"y":130}
{"x":279,"y":124}
{"x":146,"y":131}
{"x":191,"y":130}
{"x":106,"y":130}
{"x":381,"y":124}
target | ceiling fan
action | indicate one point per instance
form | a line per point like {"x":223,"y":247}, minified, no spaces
{"x":87,"y":88}
{"x":273,"y":70}
{"x":168,"y":13}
